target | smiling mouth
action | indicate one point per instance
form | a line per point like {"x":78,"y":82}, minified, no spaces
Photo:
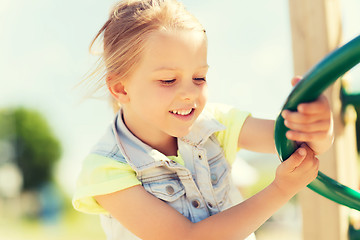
{"x":182,"y":112}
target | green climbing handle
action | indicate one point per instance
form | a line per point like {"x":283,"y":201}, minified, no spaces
{"x":314,"y":82}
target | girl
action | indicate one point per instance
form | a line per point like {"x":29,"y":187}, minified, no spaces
{"x":162,"y":168}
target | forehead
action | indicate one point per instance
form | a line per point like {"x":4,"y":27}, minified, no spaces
{"x":175,"y":49}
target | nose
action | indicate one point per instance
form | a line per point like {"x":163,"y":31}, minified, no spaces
{"x":189,"y":91}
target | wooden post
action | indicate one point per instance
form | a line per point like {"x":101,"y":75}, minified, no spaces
{"x":316,"y":31}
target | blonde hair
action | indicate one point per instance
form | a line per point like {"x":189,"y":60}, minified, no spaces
{"x":125,"y":33}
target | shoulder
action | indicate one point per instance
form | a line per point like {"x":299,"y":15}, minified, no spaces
{"x":233,"y":119}
{"x":107,"y":146}
{"x":101,"y":175}
{"x":226,"y":114}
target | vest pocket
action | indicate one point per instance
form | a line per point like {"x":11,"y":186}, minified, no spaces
{"x":219,"y":175}
{"x":169,"y":191}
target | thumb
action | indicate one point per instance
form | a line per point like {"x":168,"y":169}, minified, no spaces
{"x":295,"y":80}
{"x":296,"y":159}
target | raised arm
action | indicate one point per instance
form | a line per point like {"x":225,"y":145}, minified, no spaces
{"x":257,"y":135}
{"x":150,"y":218}
{"x":312,"y":123}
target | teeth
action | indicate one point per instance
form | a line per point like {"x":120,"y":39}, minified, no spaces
{"x":182,"y":112}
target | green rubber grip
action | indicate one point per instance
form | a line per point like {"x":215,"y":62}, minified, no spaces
{"x":314,"y":82}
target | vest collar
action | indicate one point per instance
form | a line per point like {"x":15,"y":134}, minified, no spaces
{"x":203,"y":128}
{"x":141,"y":156}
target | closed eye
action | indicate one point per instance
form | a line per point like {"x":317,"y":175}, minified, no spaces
{"x":199,"y":81}
{"x":168,"y":82}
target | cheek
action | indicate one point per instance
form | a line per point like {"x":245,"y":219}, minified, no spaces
{"x":164,"y":93}
{"x":204,"y":93}
{"x":155,"y":98}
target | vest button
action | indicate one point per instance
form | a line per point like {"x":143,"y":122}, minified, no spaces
{"x":214,"y":178}
{"x":169,"y":189}
{"x":195,"y":203}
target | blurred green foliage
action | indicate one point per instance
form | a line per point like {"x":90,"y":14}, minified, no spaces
{"x":34,"y":147}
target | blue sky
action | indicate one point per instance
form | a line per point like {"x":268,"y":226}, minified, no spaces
{"x":44,"y":54}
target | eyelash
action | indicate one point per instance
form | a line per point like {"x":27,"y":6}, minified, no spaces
{"x":169,"y":82}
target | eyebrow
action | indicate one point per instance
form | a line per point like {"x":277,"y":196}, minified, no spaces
{"x":165,"y":68}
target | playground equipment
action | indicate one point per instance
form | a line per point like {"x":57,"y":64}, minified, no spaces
{"x":315,"y":81}
{"x":316,"y":30}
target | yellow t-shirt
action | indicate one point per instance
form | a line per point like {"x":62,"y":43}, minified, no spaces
{"x":101,"y":175}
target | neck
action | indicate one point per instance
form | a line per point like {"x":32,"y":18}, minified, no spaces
{"x":168,"y":148}
{"x":164,"y":143}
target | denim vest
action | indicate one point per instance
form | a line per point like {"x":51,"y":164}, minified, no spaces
{"x":206,"y":179}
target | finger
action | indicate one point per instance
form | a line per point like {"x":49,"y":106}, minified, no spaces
{"x":320,"y":105}
{"x":315,"y":164}
{"x":295,"y":159}
{"x":305,"y":137}
{"x":310,"y":153}
{"x":310,"y":163}
{"x":295,"y":80}
{"x":319,"y":126}
{"x":301,"y":118}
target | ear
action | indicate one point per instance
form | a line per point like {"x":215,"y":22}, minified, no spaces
{"x":117,"y":90}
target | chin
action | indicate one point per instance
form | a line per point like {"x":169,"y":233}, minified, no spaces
{"x":182,"y":133}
